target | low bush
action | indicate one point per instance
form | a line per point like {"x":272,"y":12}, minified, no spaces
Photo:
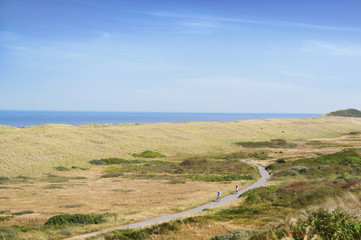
{"x":176,"y":181}
{"x":22,"y":212}
{"x":227,"y":178}
{"x":5,"y":218}
{"x":110,"y":161}
{"x":148,"y":154}
{"x":67,"y":219}
{"x":145,"y":233}
{"x":9,"y":233}
{"x":280,"y":161}
{"x":274,"y":143}
{"x":327,"y":225}
{"x":72,"y":206}
{"x":112,"y":175}
{"x":61,"y":168}
{"x":53,"y":186}
{"x":238,"y":234}
{"x":65,"y":233}
{"x":262,"y":194}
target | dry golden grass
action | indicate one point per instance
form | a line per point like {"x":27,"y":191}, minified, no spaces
{"x":132,"y":200}
{"x":33,"y":151}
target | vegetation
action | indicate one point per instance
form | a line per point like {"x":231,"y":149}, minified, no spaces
{"x":200,"y":168}
{"x":327,"y":225}
{"x":274,"y":143}
{"x":302,"y":177}
{"x":340,"y":163}
{"x":22,"y":212}
{"x":61,"y":168}
{"x":67,"y":219}
{"x":159,"y":229}
{"x":238,"y":234}
{"x":148,"y":154}
{"x":110,"y":161}
{"x":351,"y":112}
{"x":320,"y":144}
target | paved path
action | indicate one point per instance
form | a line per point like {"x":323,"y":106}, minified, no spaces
{"x":262,"y":181}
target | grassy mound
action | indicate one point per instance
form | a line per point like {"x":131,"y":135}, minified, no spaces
{"x":351,"y":112}
{"x":148,"y":154}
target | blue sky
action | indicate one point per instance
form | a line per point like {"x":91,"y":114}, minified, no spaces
{"x":248,"y":56}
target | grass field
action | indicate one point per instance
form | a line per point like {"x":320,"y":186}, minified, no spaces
{"x":33,"y":151}
{"x":108,"y":169}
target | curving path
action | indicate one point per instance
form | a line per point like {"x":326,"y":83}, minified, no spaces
{"x":262,"y":181}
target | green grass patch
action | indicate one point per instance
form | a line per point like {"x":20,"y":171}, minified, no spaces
{"x":112,"y":175}
{"x":110,"y":161}
{"x":354,"y":133}
{"x":9,"y":233}
{"x":53,"y":186}
{"x":197,"y":168}
{"x":22,"y":213}
{"x":72,"y":206}
{"x":148,"y":154}
{"x":5,"y":218}
{"x":159,"y":229}
{"x":69,"y":219}
{"x":346,"y":161}
{"x":320,"y":144}
{"x":321,"y":224}
{"x":61,"y":168}
{"x":274,"y":143}
{"x":227,"y":178}
{"x":176,"y":181}
{"x":123,"y":190}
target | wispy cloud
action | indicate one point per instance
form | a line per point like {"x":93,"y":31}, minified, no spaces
{"x":333,"y":49}
{"x":266,"y":22}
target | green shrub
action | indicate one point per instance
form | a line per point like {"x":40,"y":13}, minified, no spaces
{"x":4,"y":179}
{"x":67,"y":219}
{"x":227,"y":178}
{"x":128,"y":235}
{"x":280,"y":161}
{"x":327,"y":225}
{"x":65,"y":232}
{"x":5,"y":218}
{"x":109,"y":161}
{"x":9,"y":233}
{"x":22,"y":212}
{"x":53,"y":186}
{"x":274,"y":143}
{"x":262,"y":194}
{"x":148,"y":154}
{"x":112,"y":175}
{"x":61,"y":168}
{"x":176,"y":181}
{"x":72,"y":206}
{"x":235,"y":235}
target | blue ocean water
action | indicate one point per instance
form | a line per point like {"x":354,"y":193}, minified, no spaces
{"x":31,"y":118}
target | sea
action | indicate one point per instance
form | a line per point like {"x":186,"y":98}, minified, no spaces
{"x":32,"y":118}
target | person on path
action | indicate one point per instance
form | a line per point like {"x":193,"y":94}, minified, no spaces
{"x":219,"y":195}
{"x":237,"y":188}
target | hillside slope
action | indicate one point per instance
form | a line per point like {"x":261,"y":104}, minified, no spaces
{"x":34,"y":151}
{"x":351,"y":112}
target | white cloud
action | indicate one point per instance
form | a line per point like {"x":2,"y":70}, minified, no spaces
{"x":333,"y":49}
{"x":268,"y":22}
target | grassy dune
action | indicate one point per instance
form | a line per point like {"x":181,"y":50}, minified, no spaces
{"x":33,"y":151}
